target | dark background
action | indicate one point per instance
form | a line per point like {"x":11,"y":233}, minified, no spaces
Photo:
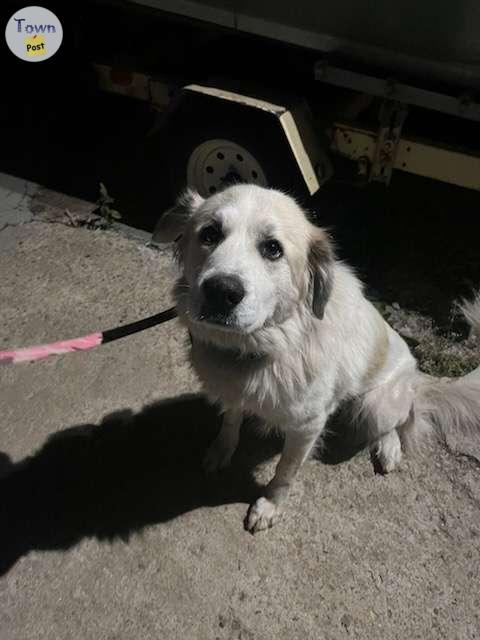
{"x":416,"y":242}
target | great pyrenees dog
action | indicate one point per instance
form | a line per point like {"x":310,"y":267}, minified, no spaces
{"x":281,"y":330}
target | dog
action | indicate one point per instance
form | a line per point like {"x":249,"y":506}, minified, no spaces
{"x":281,"y":330}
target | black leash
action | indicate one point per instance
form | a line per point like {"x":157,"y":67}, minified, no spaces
{"x":139,"y":325}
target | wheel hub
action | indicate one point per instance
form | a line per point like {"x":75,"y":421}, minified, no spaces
{"x":215,"y":164}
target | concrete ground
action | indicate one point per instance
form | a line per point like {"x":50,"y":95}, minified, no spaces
{"x":110,"y":530}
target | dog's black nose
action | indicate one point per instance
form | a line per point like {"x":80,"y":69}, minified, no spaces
{"x":223,"y":293}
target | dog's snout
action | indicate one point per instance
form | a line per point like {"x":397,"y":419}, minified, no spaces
{"x":223,"y":293}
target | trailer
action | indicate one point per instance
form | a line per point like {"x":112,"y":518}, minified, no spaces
{"x":291,"y":95}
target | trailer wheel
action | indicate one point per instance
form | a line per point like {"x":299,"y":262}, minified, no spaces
{"x":213,"y":164}
{"x":227,"y":146}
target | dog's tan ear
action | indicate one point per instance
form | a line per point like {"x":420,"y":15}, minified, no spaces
{"x":321,"y":260}
{"x":172,"y":223}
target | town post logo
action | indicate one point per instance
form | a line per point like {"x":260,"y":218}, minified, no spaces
{"x":34,"y":34}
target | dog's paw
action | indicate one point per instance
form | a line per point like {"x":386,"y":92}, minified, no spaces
{"x":218,"y":457}
{"x":263,"y":514}
{"x":388,"y":451}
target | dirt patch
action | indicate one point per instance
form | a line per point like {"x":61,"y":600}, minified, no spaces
{"x":441,"y":353}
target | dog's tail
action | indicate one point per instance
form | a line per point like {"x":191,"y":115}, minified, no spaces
{"x":471,"y":311}
{"x":446,"y":404}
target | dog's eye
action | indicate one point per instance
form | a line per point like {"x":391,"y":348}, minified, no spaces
{"x":271,"y":249}
{"x":210,"y":235}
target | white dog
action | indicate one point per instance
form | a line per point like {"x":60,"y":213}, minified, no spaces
{"x":281,"y":330}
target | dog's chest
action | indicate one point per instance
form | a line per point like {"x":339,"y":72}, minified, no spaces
{"x":256,"y":386}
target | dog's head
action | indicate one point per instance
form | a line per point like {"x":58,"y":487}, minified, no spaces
{"x":250,"y":258}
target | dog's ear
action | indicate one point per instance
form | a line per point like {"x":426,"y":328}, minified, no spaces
{"x":172,"y":223}
{"x":320,"y":261}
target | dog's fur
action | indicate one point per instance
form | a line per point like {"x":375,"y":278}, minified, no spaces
{"x":302,"y":342}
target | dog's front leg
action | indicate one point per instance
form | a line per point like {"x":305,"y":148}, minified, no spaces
{"x":298,"y":444}
{"x":223,"y":447}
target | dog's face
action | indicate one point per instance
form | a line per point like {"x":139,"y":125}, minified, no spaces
{"x":249,"y":258}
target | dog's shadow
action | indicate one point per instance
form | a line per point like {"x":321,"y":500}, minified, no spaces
{"x":132,"y":470}
{"x":112,"y":479}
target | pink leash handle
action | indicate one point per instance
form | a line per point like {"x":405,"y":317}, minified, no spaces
{"x":30,"y":354}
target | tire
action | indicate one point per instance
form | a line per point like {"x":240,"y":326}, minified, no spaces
{"x":213,"y":148}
